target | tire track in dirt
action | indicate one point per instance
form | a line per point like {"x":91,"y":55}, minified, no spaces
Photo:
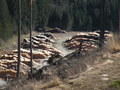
{"x":60,"y":43}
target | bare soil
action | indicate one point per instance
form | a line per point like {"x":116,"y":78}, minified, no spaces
{"x":62,"y":37}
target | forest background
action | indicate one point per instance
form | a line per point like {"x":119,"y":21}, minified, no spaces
{"x":77,"y":15}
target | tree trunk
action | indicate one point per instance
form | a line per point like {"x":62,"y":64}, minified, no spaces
{"x":102,"y":31}
{"x":119,"y":17}
{"x":19,"y":36}
{"x":31,"y":35}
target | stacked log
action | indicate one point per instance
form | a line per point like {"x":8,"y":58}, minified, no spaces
{"x":7,"y":73}
{"x":42,"y":50}
{"x":8,"y":65}
{"x":42,"y":42}
{"x":38,"y":39}
{"x":8,"y":68}
{"x":89,"y":40}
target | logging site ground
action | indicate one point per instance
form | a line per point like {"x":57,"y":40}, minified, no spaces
{"x":89,"y":68}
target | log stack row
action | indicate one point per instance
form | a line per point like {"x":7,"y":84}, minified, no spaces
{"x":42,"y":50}
{"x":89,"y":40}
{"x":42,"y":43}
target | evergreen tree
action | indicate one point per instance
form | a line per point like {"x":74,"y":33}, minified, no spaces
{"x":65,"y":20}
{"x":34,"y":13}
{"x":13,"y":11}
{"x":119,"y":16}
{"x":65,"y":14}
{"x":5,"y":19}
{"x":102,"y":30}
{"x":43,"y":8}
{"x":54,"y":19}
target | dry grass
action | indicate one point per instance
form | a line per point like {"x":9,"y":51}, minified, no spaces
{"x":54,"y":84}
{"x":11,"y":43}
{"x":113,"y":44}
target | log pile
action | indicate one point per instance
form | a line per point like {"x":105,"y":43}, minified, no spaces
{"x":42,"y":50}
{"x":38,"y":40}
{"x":43,"y":42}
{"x":56,"y":30}
{"x":8,"y":65}
{"x":89,"y":40}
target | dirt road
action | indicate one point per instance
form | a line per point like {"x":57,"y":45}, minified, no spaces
{"x":59,"y":44}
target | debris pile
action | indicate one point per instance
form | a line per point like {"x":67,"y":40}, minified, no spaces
{"x":42,"y":50}
{"x":89,"y":40}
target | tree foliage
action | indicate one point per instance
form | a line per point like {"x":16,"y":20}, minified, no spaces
{"x":5,"y":21}
{"x":65,"y":14}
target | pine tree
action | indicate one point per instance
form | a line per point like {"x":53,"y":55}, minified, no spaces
{"x":119,"y":16}
{"x":66,"y":14}
{"x":13,"y":9}
{"x":43,"y":8}
{"x":5,"y":19}
{"x":54,"y":19}
{"x":102,"y":30}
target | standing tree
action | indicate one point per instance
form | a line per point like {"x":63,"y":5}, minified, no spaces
{"x":19,"y":35}
{"x":31,"y":35}
{"x":102,"y":31}
{"x":43,"y":8}
{"x":5,"y":21}
{"x":119,"y":16}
